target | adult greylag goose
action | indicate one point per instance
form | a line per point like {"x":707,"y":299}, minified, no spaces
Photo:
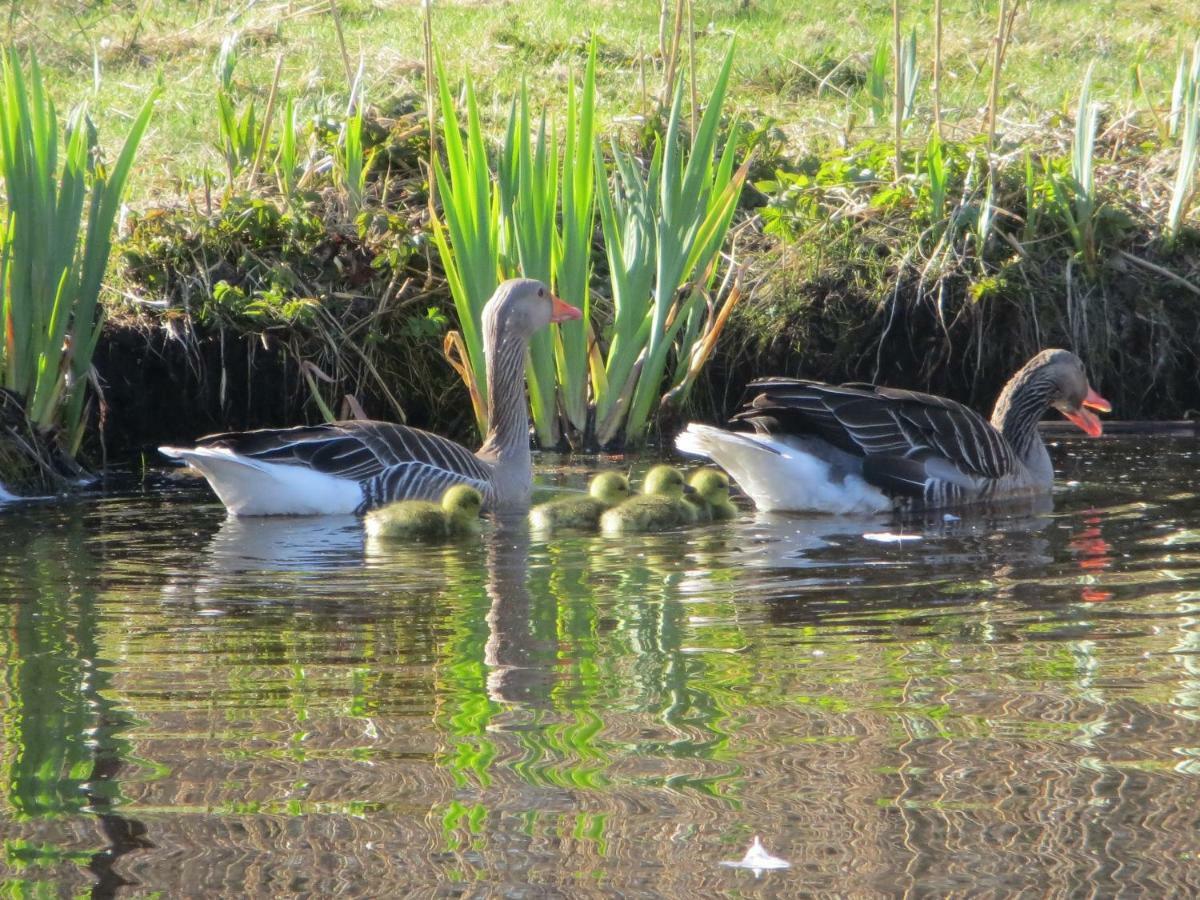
{"x":352,"y":467}
{"x":859,"y":448}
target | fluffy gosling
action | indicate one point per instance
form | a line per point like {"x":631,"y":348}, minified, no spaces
{"x":421,"y":520}
{"x":712,"y":496}
{"x":605,"y":491}
{"x":660,"y":506}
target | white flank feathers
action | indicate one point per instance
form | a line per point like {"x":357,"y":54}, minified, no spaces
{"x":779,"y":477}
{"x":249,"y":487}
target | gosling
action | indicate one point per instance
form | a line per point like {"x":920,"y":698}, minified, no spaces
{"x":421,"y":520}
{"x":660,"y":506}
{"x":711,"y":499}
{"x":605,"y":491}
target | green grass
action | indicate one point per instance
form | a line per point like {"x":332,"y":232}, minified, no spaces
{"x":789,"y":49}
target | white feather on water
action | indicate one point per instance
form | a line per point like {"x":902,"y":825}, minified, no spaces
{"x":758,"y":860}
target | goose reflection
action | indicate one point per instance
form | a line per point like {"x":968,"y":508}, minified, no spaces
{"x":271,"y":558}
{"x":520,"y":664}
{"x":287,"y":543}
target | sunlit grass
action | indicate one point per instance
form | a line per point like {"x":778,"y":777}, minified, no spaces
{"x":499,"y":44}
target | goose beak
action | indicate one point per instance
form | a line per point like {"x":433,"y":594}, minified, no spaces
{"x":561,"y":311}
{"x":1086,"y":421}
{"x":688,"y":490}
{"x":1095,"y":401}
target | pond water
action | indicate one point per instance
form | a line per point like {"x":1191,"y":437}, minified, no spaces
{"x":1007,"y":702}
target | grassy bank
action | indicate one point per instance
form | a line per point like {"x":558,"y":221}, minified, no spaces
{"x":944,"y":271}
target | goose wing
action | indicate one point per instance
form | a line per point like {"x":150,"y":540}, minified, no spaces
{"x":390,"y":462}
{"x":906,"y":439}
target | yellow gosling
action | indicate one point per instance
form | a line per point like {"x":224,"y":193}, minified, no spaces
{"x":712,"y":495}
{"x":605,"y":491}
{"x":660,"y":506}
{"x":420,"y":520}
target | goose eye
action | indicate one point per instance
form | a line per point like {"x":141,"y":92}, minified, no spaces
{"x":541,"y":292}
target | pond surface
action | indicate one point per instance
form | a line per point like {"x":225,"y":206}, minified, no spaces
{"x":1009,"y":702}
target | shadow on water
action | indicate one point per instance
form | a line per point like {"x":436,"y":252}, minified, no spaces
{"x":1002,"y":702}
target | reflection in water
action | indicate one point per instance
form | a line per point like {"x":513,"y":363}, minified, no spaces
{"x":63,"y":750}
{"x":198,"y":705}
{"x":520,"y":664}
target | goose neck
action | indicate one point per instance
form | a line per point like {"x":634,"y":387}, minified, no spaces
{"x":1018,"y":410}
{"x":508,"y":421}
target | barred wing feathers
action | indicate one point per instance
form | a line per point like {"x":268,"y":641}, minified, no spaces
{"x":391,"y":462}
{"x":897,"y":433}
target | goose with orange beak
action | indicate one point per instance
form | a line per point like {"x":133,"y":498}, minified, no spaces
{"x":806,"y":446}
{"x":356,"y":466}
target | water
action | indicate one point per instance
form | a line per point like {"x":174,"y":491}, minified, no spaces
{"x":195,"y":706}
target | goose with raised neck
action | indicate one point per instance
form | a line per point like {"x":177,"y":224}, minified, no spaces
{"x":355,"y":466}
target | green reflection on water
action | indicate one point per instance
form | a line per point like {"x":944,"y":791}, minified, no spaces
{"x":56,"y":717}
{"x":537,"y":688}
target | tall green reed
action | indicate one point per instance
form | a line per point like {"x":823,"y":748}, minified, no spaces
{"x":574,"y":350}
{"x":548,"y":203}
{"x":661,"y":232}
{"x":468,"y":241}
{"x":52,"y":255}
{"x":1074,"y":199}
{"x":1185,"y":117}
{"x":663,"y":227}
{"x":535,"y":219}
{"x":528,"y":182}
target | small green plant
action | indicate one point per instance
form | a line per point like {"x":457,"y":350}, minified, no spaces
{"x":52,"y":255}
{"x":876,"y":85}
{"x":240,"y":137}
{"x":938,"y":173}
{"x":350,"y":164}
{"x":910,"y":75}
{"x":1033,"y":208}
{"x":287,"y":157}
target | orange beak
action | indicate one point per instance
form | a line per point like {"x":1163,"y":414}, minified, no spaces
{"x":1086,"y":421}
{"x":561,"y":311}
{"x":1095,"y":401}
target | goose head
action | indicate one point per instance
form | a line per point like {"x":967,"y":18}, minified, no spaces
{"x":1069,"y":391}
{"x":666,"y":481}
{"x":521,"y":307}
{"x":609,"y":488}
